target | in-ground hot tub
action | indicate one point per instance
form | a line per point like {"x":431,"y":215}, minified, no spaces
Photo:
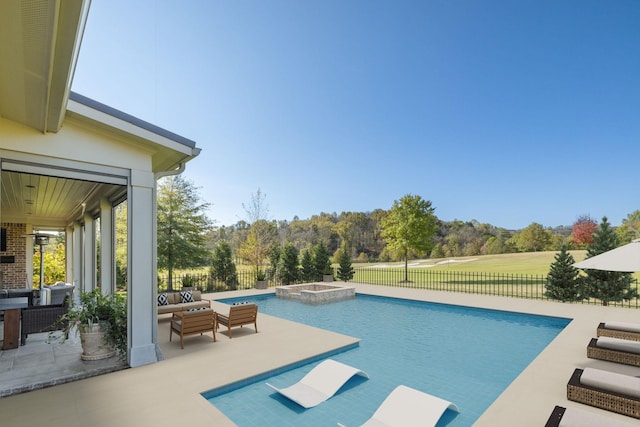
{"x":316,"y":293}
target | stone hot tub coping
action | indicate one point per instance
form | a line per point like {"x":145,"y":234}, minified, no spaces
{"x":316,"y":293}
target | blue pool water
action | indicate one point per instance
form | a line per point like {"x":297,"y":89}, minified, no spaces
{"x":465,"y":355}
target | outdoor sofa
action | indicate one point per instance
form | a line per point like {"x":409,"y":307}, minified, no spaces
{"x":614,"y":350}
{"x":172,"y":302}
{"x":606,"y":390}
{"x":622,"y":330}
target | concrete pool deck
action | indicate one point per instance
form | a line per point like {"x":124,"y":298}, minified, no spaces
{"x":167,"y":393}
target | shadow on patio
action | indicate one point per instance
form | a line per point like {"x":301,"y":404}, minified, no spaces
{"x":39,"y":364}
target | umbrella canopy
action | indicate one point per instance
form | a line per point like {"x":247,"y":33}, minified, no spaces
{"x":624,"y":259}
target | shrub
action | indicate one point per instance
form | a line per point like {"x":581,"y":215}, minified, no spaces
{"x":563,"y":282}
{"x":345,"y":270}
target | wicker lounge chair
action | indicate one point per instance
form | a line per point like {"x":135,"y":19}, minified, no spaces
{"x":42,"y":318}
{"x":573,"y":417}
{"x":622,"y":330}
{"x":408,"y":407}
{"x":606,"y":390}
{"x":614,"y":350}
{"x":322,"y":382}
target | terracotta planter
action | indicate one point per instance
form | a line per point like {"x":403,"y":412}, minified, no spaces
{"x":94,"y":347}
{"x":261,"y":284}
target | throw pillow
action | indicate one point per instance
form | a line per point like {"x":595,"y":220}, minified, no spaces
{"x":163,"y":299}
{"x":186,"y":296}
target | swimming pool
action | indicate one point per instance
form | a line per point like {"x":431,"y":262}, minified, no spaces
{"x":465,"y":355}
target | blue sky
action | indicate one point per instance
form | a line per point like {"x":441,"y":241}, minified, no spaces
{"x":507,"y":112}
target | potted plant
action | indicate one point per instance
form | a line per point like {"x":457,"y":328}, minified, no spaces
{"x":261,"y":279}
{"x":101,"y":321}
{"x":327,"y":274}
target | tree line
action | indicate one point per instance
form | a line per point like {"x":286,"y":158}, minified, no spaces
{"x":187,"y":238}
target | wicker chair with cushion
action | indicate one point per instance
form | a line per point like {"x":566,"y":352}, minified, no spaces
{"x":606,"y":390}
{"x":42,"y":318}
{"x":623,"y":330}
{"x":614,"y":350}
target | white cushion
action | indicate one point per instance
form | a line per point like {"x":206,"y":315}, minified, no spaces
{"x":623,"y":326}
{"x":619,"y":344}
{"x":611,"y":381}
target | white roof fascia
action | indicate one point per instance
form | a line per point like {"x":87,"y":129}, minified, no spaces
{"x":116,"y":119}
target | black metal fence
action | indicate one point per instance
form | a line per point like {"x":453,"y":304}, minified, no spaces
{"x":497,"y":284}
{"x":205,"y":282}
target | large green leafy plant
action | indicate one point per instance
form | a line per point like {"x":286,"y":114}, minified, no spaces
{"x":109,"y":311}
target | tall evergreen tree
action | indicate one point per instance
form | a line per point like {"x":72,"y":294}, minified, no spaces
{"x":345,"y":270}
{"x":563,"y":282}
{"x":182,"y":226}
{"x":607,"y":286}
{"x":274,"y":258}
{"x":322,"y":259}
{"x":222,"y":266}
{"x":308,"y":272}
{"x":287,"y":272}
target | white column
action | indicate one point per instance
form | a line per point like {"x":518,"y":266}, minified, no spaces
{"x":89,"y":254}
{"x":77,"y":260}
{"x":107,"y":248}
{"x":29,"y":258}
{"x":141,"y":272}
{"x":69,"y":248}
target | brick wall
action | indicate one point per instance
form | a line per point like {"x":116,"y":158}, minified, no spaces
{"x":14,"y":275}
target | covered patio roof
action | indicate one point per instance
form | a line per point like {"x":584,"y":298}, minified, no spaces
{"x":39,"y":46}
{"x":67,"y":161}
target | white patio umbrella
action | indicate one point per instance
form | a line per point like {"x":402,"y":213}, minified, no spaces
{"x":624,"y":259}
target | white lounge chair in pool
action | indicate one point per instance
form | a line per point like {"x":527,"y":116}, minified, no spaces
{"x":322,"y":382}
{"x":408,"y":407}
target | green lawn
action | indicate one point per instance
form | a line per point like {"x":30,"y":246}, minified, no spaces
{"x":529,"y":263}
{"x":518,"y":263}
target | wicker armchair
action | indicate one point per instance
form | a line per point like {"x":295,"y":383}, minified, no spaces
{"x":43,"y":318}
